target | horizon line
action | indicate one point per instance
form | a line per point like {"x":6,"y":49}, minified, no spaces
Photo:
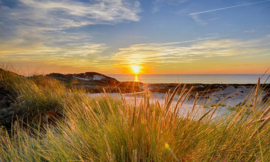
{"x":195,"y":74}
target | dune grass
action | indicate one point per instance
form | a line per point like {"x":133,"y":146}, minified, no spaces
{"x":107,"y":129}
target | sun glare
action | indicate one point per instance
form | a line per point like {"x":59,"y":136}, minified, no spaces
{"x":136,"y":69}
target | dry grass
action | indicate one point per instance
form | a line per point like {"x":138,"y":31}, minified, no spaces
{"x":106,"y":129}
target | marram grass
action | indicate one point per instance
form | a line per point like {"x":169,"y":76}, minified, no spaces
{"x":106,"y":129}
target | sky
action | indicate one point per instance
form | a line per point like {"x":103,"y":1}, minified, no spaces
{"x":159,"y":36}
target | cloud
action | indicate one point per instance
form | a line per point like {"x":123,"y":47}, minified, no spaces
{"x":250,"y":31}
{"x":49,"y":17}
{"x":35,"y":30}
{"x":45,"y":17}
{"x":54,"y":15}
{"x":225,"y":8}
{"x":159,"y":3}
{"x":197,"y":19}
{"x":162,"y":53}
{"x":202,"y":22}
{"x":79,"y":55}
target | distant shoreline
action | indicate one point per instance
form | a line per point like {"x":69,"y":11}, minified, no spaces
{"x":195,"y":79}
{"x":94,"y":82}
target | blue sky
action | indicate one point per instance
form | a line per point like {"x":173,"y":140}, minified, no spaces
{"x":160,"y":36}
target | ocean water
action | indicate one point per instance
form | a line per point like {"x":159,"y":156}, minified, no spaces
{"x":194,"y":78}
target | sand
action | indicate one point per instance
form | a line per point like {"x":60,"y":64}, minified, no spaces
{"x":228,"y":97}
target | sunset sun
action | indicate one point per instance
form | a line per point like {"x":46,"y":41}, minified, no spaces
{"x":136,"y":69}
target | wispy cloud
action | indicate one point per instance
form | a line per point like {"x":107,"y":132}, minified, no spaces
{"x":198,"y":20}
{"x":64,"y":14}
{"x":224,"y":8}
{"x":159,"y":3}
{"x":195,"y":16}
{"x":250,"y":31}
{"x":43,"y":17}
{"x":36,"y":29}
{"x":68,"y":54}
{"x":160,"y":53}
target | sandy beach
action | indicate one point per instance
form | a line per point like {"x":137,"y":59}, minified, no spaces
{"x":228,"y":98}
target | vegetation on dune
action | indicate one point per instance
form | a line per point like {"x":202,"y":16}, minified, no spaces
{"x":106,"y":129}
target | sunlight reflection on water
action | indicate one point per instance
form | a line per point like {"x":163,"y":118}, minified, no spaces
{"x":136,"y":78}
{"x":194,"y":78}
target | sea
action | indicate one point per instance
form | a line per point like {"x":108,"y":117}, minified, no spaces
{"x":195,"y":78}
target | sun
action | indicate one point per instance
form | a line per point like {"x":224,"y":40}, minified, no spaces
{"x":136,"y":69}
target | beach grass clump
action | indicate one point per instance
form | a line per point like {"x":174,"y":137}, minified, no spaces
{"x":35,"y":97}
{"x":110,"y":129}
